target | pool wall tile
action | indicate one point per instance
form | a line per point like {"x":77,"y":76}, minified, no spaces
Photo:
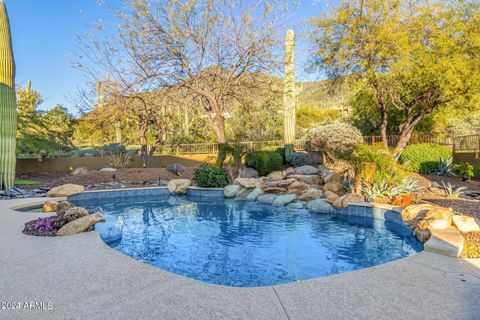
{"x":123,"y":193}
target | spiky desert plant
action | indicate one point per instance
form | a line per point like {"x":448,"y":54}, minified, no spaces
{"x":289,"y":89}
{"x":8,"y":101}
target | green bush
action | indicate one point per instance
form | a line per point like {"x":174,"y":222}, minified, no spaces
{"x":211,"y":177}
{"x":375,"y":165}
{"x":265,"y":162}
{"x":465,"y":170}
{"x":425,"y":157}
{"x":279,"y":150}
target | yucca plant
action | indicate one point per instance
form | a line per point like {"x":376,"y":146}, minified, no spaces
{"x":8,"y":101}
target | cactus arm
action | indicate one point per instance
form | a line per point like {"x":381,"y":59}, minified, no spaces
{"x":289,"y":91}
{"x":8,"y":104}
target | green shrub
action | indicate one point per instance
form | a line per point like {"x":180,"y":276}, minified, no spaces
{"x":376,"y":165}
{"x":211,"y":177}
{"x":114,"y":148}
{"x":425,"y":157}
{"x":465,"y":170}
{"x":265,"y":162}
{"x":279,"y":150}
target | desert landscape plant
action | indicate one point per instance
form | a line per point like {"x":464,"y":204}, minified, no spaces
{"x":8,"y":103}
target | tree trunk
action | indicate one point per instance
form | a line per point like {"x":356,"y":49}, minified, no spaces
{"x":383,"y":127}
{"x":404,"y":136}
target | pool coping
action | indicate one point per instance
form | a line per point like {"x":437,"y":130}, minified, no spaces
{"x":153,"y":293}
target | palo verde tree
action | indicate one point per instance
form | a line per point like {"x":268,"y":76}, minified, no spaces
{"x":414,"y":56}
{"x":8,"y":113}
{"x":209,"y":48}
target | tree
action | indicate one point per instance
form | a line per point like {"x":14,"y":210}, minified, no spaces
{"x":210,"y":48}
{"x":414,"y":56}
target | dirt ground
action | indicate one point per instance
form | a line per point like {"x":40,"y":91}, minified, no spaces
{"x":469,"y":207}
{"x":129,"y":177}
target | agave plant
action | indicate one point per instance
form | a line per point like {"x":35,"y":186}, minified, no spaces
{"x":452,"y":191}
{"x":445,"y":168}
{"x":407,"y":186}
{"x":376,"y":190}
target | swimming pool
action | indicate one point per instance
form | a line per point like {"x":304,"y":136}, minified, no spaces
{"x":245,"y":244}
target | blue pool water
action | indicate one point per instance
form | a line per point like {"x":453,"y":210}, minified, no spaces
{"x":244,"y":244}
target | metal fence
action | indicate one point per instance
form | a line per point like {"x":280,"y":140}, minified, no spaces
{"x":465,"y":143}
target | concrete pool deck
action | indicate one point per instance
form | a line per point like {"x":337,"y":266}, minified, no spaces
{"x":85,"y":279}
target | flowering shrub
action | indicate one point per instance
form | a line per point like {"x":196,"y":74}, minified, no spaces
{"x":46,"y":227}
{"x":333,"y":139}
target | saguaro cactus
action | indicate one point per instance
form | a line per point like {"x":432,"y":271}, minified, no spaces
{"x":8,"y":101}
{"x":289,"y":90}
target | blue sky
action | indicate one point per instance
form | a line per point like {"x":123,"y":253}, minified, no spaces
{"x":44,"y":33}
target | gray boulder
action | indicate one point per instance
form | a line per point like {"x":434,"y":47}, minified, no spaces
{"x":232,"y":190}
{"x":320,"y":206}
{"x":248,"y":173}
{"x":284,"y":199}
{"x":306,"y":170}
{"x":266,"y":198}
{"x":176,"y":169}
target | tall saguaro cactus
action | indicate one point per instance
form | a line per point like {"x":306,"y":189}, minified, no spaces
{"x":289,"y":90}
{"x":8,"y":101}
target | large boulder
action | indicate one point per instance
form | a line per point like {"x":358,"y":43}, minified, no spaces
{"x":50,"y":206}
{"x":64,"y":206}
{"x":331,"y":177}
{"x":411,"y":212}
{"x":179,"y":186}
{"x":437,"y":218}
{"x":345,"y":200}
{"x":80,"y":225}
{"x":232,"y":190}
{"x":333,"y":186}
{"x":330,"y":196}
{"x":279,"y":183}
{"x":248,"y":173}
{"x":289,"y":171}
{"x":177,"y":169}
{"x":248,"y":183}
{"x":252,"y":196}
{"x":297,"y":188}
{"x":465,"y":224}
{"x":311,"y":194}
{"x":76,"y":212}
{"x":267,"y":198}
{"x":320,"y":206}
{"x":65,"y":190}
{"x":107,"y":169}
{"x":323,"y":171}
{"x":284,"y":199}
{"x":275,"y":190}
{"x":306,"y":178}
{"x":422,"y":234}
{"x":277,"y":175}
{"x":307,"y":170}
{"x":80,"y":171}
